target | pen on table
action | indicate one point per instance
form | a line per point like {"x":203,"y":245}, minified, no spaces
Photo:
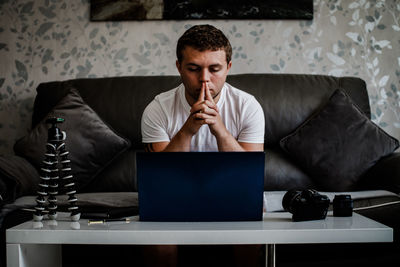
{"x":103,"y":221}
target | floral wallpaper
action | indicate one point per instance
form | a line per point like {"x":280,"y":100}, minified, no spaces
{"x":46,"y":40}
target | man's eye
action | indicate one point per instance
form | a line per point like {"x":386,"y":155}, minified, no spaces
{"x":193,"y":69}
{"x":215,"y":69}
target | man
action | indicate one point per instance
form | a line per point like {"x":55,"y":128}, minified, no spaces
{"x":204,"y":113}
{"x":173,"y":120}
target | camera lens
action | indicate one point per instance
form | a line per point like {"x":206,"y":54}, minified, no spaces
{"x":342,"y":206}
{"x":288,"y":199}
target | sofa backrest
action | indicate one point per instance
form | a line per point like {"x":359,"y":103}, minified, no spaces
{"x":287,"y":99}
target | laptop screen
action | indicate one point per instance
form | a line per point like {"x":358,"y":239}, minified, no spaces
{"x":200,"y":186}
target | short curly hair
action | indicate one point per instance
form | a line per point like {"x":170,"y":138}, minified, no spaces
{"x":202,"y":38}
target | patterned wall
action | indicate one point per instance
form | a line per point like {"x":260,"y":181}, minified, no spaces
{"x":47,"y":40}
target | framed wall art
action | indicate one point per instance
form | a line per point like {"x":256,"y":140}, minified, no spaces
{"x":106,"y":10}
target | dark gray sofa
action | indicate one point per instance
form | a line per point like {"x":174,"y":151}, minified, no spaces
{"x":288,"y":101}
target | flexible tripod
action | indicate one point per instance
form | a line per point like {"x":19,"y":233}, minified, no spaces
{"x":56,"y":163}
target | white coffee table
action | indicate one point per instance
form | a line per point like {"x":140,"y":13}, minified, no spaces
{"x":27,"y":246}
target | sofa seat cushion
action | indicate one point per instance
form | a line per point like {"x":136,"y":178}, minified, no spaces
{"x":105,"y":199}
{"x":338,"y":144}
{"x":92,"y":145}
{"x":100,"y":204}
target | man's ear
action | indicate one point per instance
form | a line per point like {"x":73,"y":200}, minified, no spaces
{"x":229,"y":65}
{"x":178,"y":65}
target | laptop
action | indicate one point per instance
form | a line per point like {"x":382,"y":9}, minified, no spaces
{"x":200,"y":186}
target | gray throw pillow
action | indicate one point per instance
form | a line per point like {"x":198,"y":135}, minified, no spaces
{"x":337,"y":144}
{"x":92,"y":144}
{"x":17,"y":178}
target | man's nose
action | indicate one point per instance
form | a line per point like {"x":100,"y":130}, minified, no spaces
{"x":204,"y":75}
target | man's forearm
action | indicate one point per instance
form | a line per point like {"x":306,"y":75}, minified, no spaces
{"x":228,"y":143}
{"x":179,"y":143}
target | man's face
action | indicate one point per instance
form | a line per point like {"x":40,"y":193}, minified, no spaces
{"x":198,"y":67}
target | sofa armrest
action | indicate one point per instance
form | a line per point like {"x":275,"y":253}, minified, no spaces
{"x":385,"y":174}
{"x":18,"y":178}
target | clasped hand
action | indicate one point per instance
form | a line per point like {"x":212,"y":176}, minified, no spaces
{"x":205,"y":111}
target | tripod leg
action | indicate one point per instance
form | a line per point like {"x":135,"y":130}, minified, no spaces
{"x":45,"y":174}
{"x":69,"y":183}
{"x":53,"y":186}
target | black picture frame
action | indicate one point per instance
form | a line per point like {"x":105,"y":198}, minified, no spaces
{"x":120,"y":10}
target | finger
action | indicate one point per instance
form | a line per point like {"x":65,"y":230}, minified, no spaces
{"x":197,"y":107}
{"x":207,"y":108}
{"x":211,"y":105}
{"x":210,"y":111}
{"x":205,"y":121}
{"x":209,"y":121}
{"x":202,"y":92}
{"x":203,"y":116}
{"x":210,"y":99}
{"x":208,"y":93}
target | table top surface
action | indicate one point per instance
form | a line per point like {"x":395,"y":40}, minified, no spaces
{"x":275,"y":228}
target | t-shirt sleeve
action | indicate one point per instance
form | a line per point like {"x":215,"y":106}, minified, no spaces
{"x":253,"y":122}
{"x":154,"y":124}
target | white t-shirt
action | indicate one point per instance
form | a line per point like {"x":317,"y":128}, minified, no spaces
{"x":240,"y":112}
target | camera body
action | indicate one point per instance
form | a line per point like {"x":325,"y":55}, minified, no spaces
{"x":306,"y":205}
